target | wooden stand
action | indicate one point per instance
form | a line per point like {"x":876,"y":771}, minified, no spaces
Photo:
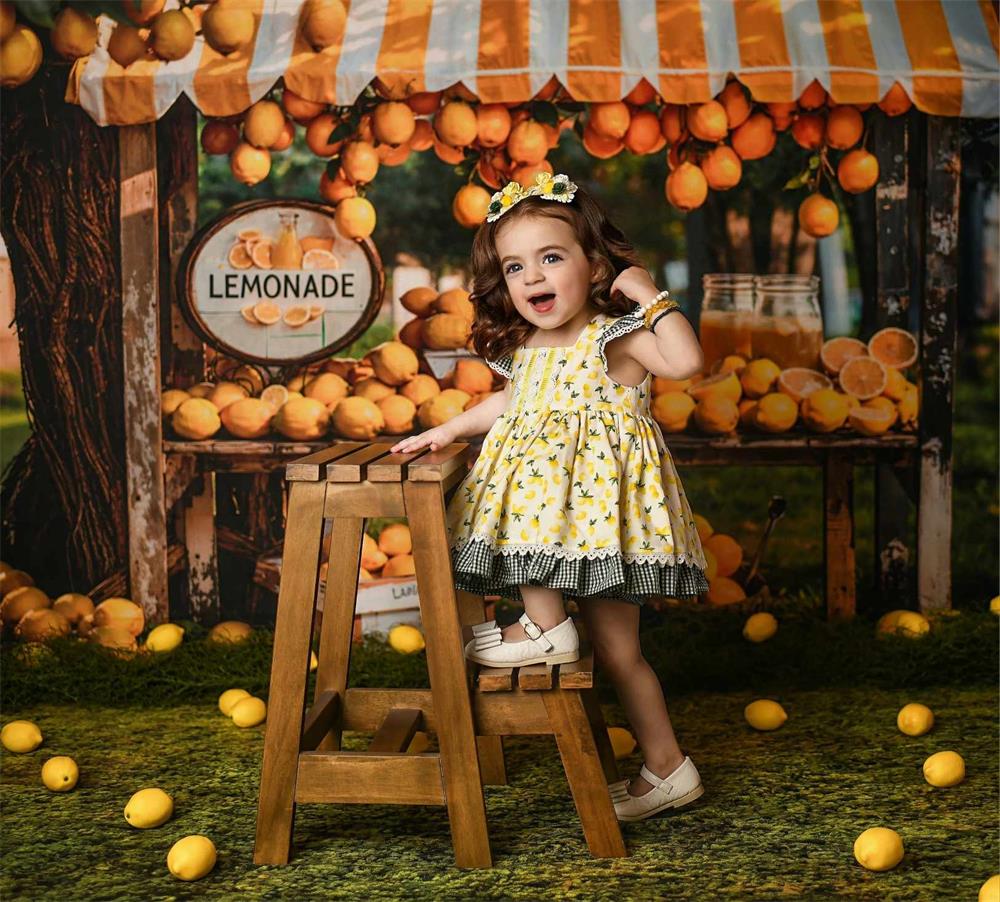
{"x":303,"y":762}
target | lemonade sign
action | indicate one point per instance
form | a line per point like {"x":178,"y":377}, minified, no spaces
{"x":276,"y":283}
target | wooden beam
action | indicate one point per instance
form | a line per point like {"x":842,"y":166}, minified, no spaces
{"x":937,"y":363}
{"x":147,"y":515}
{"x":838,"y":537}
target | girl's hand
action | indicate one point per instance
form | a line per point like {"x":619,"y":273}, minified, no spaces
{"x":437,"y":438}
{"x":636,"y":284}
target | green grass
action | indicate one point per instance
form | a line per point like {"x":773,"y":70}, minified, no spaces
{"x":779,"y":816}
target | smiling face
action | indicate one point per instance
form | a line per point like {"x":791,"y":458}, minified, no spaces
{"x":540,"y":258}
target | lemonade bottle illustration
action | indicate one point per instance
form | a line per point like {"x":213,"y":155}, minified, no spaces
{"x":287,"y":251}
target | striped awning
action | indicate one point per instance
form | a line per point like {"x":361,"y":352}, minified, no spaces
{"x":943,"y":53}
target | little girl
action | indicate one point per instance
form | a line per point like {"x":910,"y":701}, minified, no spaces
{"x":574,"y":491}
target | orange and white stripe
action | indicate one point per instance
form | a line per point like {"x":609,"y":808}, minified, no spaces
{"x":944,"y":53}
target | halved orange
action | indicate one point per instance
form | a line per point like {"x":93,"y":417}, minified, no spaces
{"x":248,"y":315}
{"x":296,"y":316}
{"x":800,"y":382}
{"x":314,"y":242}
{"x":275,"y":395}
{"x":261,"y":254}
{"x":239,"y":258}
{"x":870,"y":420}
{"x":267,"y":312}
{"x":837,"y":351}
{"x":316,"y":311}
{"x":893,"y":347}
{"x":249,"y":234}
{"x":722,"y":385}
{"x":863,"y":377}
{"x":318,"y":258}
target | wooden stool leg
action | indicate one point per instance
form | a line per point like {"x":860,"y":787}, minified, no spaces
{"x":339,"y":602}
{"x":584,"y":772}
{"x":289,"y":670}
{"x":446,"y":665}
{"x":600,"y":730}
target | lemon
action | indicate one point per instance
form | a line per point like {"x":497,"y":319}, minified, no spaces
{"x":879,"y":849}
{"x":912,"y":625}
{"x":995,"y":609}
{"x":419,"y":743}
{"x":887,"y":622}
{"x":149,"y":808}
{"x":229,"y":698}
{"x":20,"y":736}
{"x":60,"y":773}
{"x":192,"y":857}
{"x":760,"y":627}
{"x":406,"y":639}
{"x":313,"y":661}
{"x":230,"y":631}
{"x":944,"y":769}
{"x":914,"y":719}
{"x":765,"y":714}
{"x":990,"y":890}
{"x":165,"y":637}
{"x":622,"y":741}
{"x":248,"y":712}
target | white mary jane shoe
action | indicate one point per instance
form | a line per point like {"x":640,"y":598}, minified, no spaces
{"x":559,"y":645}
{"x":680,"y":788}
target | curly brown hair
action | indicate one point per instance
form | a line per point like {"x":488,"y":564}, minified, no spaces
{"x":498,"y":328}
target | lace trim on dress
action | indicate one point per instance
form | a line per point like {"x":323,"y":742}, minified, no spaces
{"x":508,"y":549}
{"x":504,"y":366}
{"x":616,"y":329}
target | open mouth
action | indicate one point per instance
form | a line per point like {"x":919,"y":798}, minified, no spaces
{"x":542,"y":302}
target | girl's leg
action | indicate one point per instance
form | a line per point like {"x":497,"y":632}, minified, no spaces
{"x":544,"y":606}
{"x":614,"y":632}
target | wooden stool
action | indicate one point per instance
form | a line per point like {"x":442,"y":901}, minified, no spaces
{"x":348,"y":483}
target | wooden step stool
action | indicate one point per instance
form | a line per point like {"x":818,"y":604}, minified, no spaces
{"x":303,"y":762}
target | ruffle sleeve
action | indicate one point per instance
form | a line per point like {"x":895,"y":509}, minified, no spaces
{"x":503,"y":366}
{"x":618,"y":327}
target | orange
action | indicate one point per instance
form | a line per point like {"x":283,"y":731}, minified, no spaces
{"x":448,"y":154}
{"x":686,"y":187}
{"x":423,"y":103}
{"x":704,"y":527}
{"x":825,"y":410}
{"x":300,"y":109}
{"x":818,"y":216}
{"x":722,"y":591}
{"x":286,"y":138}
{"x":748,"y":410}
{"x":808,"y":130}
{"x":455,"y":124}
{"x":643,"y":132}
{"x":610,"y":120}
{"x":493,"y":169}
{"x":895,"y":384}
{"x":336,"y":189}
{"x":672,"y":122}
{"x":249,"y":164}
{"x":470,"y":205}
{"x":722,"y":167}
{"x":318,"y":258}
{"x":263,"y":123}
{"x":837,"y":351}
{"x":423,"y":136}
{"x":895,"y":102}
{"x":728,"y":553}
{"x":716,"y":415}
{"x":755,"y":138}
{"x":355,"y":217}
{"x":775,"y":412}
{"x":239,"y":258}
{"x":20,"y":56}
{"x":266,"y":312}
{"x":227,"y":27}
{"x":871,"y":420}
{"x":218,"y":137}
{"x":527,"y":142}
{"x":126,"y":45}
{"x":758,"y":377}
{"x":813,"y":97}
{"x":882,"y":403}
{"x":641,"y":94}
{"x":708,"y":121}
{"x":857,"y":171}
{"x":782,"y":114}
{"x":844,"y":127}
{"x":722,"y":385}
{"x":393,"y":122}
{"x":296,"y":316}
{"x":261,"y":254}
{"x":359,"y":162}
{"x":710,"y":564}
{"x":525,"y":173}
{"x":672,"y":410}
{"x":318,"y":133}
{"x":599,"y":146}
{"x":74,"y":33}
{"x":493,"y":124}
{"x":734,"y":101}
{"x":894,"y":347}
{"x":798,"y":382}
{"x":393,"y":155}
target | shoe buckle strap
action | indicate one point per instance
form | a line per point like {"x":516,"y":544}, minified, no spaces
{"x":534,"y":632}
{"x":654,"y":780}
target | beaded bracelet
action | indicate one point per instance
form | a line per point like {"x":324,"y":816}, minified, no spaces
{"x":654,"y":310}
{"x":660,"y":302}
{"x":669,"y":310}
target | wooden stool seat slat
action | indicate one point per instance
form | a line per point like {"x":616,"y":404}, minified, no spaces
{"x":469,"y":708}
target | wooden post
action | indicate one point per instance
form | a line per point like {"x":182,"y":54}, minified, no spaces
{"x":838,"y":536}
{"x":937,"y":363}
{"x":892,"y":218}
{"x":147,"y":524}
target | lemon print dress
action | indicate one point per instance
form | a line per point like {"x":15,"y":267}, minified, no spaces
{"x":574,"y":487}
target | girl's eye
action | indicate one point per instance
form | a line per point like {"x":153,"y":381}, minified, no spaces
{"x":510,"y":268}
{"x":556,"y":256}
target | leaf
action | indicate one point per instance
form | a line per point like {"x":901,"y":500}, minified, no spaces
{"x":343,"y":130}
{"x":545,"y":112}
{"x":795,"y":182}
{"x":814,"y":162}
{"x":333,"y":167}
{"x":38,"y":12}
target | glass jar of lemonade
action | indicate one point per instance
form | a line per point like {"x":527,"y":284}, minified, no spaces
{"x":287,"y":250}
{"x":726,"y":313}
{"x":787,"y":322}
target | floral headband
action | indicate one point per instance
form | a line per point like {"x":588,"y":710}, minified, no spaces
{"x":547,"y":187}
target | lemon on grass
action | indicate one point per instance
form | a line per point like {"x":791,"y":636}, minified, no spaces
{"x":192,"y":857}
{"x":944,"y":769}
{"x":995,"y":607}
{"x":915,"y":719}
{"x":149,"y":808}
{"x":765,"y":714}
{"x":879,"y":849}
{"x":20,"y":736}
{"x":165,"y":637}
{"x":229,"y":698}
{"x":406,"y":639}
{"x":622,"y":742}
{"x":760,"y":627}
{"x":60,"y":773}
{"x":990,"y":890}
{"x":248,"y":712}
